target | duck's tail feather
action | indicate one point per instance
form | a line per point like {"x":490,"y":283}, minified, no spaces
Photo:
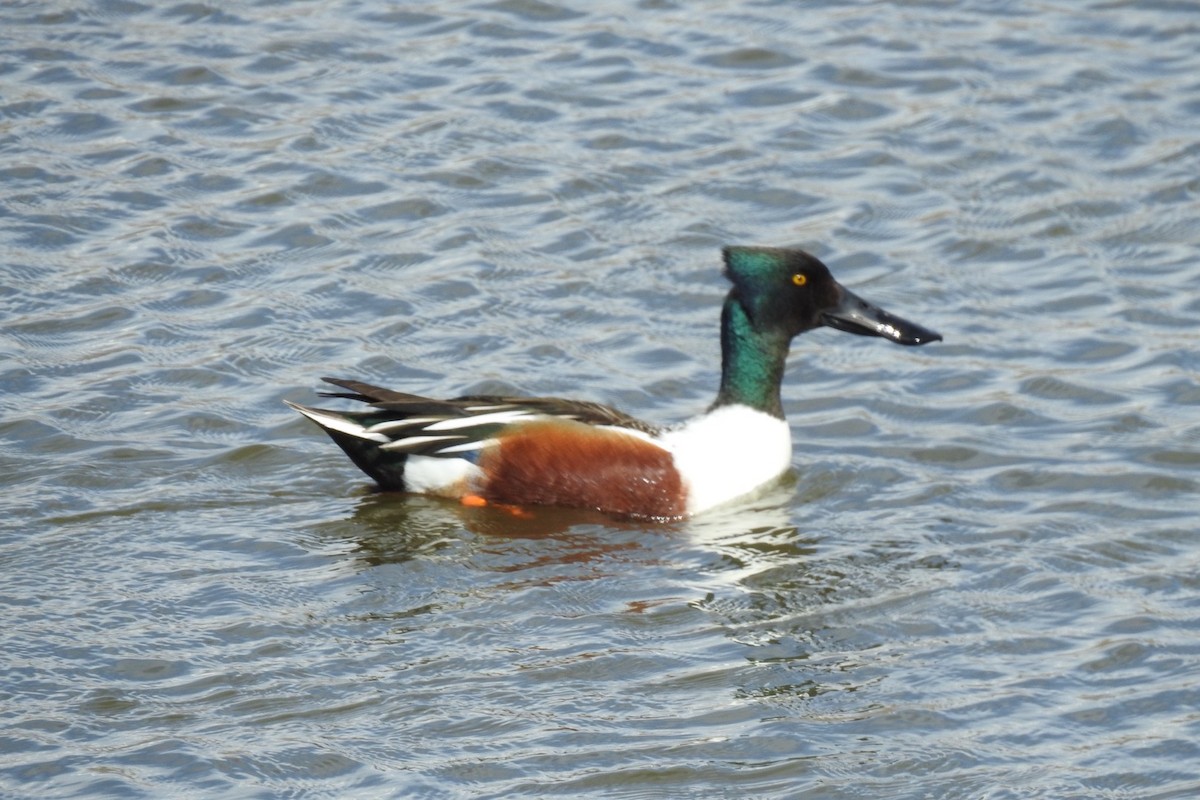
{"x":362,"y":446}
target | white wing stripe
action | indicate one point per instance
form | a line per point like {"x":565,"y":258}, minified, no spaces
{"x":397,"y":424}
{"x":415,"y":441}
{"x":341,"y":425}
{"x":497,"y":417}
{"x":466,"y":446}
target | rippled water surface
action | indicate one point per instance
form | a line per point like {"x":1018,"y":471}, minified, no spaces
{"x":981,"y":580}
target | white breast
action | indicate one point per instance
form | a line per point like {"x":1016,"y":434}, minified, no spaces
{"x":728,"y":453}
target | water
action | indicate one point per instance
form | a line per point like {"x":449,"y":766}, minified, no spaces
{"x":980,"y":580}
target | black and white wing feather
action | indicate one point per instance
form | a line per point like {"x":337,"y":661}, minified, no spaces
{"x":409,"y":424}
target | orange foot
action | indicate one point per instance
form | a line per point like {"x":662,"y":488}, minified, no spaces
{"x":478,"y":501}
{"x":517,"y":511}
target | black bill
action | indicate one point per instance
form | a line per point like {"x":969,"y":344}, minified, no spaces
{"x":855,"y":315}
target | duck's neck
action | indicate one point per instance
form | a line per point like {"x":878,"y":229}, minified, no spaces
{"x":752,"y":362}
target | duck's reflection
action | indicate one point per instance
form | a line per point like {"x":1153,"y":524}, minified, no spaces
{"x":391,"y":528}
{"x":743,"y":589}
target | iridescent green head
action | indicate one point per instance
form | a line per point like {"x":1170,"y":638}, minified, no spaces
{"x":778,"y":293}
{"x":790,"y":291}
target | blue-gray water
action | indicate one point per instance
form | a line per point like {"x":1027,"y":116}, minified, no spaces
{"x":982,"y":579}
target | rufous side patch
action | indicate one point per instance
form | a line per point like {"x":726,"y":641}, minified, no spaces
{"x":567,"y":463}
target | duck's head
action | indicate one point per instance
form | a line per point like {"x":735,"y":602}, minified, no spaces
{"x":785,"y":291}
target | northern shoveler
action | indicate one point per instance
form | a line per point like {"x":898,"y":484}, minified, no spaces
{"x":486,"y":449}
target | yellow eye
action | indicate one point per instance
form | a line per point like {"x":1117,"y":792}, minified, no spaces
{"x":799,"y":279}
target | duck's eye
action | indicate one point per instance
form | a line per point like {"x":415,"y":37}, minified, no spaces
{"x":799,"y":279}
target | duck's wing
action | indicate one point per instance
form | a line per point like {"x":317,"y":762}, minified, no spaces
{"x":404,"y":423}
{"x":390,"y":399}
{"x":578,"y":410}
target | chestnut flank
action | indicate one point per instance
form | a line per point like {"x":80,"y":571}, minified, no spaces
{"x":567,"y":463}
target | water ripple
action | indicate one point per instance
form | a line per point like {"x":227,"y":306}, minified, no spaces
{"x":977,"y":581}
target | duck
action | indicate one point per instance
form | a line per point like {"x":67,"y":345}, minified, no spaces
{"x":519,"y":452}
